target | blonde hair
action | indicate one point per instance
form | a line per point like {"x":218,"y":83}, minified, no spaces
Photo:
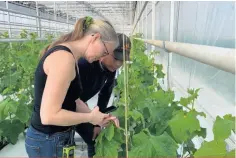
{"x":103,"y":27}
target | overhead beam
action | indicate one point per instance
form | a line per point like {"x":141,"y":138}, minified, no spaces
{"x":93,"y":8}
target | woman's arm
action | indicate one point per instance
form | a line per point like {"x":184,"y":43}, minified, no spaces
{"x":60,"y":70}
{"x":82,"y":107}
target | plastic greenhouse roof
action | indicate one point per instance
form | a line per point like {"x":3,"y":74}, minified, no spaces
{"x":119,"y":13}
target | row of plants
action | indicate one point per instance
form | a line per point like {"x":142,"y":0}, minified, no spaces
{"x":18,"y":62}
{"x":157,"y":123}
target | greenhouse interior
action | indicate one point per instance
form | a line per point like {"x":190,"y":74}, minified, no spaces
{"x":173,"y":97}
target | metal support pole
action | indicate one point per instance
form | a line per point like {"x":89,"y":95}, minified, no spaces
{"x":140,"y":14}
{"x":153,"y":22}
{"x":27,"y":14}
{"x":38,"y":21}
{"x":8,"y":21}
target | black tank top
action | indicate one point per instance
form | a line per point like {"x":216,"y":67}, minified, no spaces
{"x":73,"y":93}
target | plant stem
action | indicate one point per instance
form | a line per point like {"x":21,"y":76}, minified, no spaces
{"x":193,"y":103}
{"x":188,"y":108}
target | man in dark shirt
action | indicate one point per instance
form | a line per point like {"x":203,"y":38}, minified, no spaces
{"x":99,"y":76}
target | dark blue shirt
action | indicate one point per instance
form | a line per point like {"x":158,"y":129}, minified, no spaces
{"x":94,"y":79}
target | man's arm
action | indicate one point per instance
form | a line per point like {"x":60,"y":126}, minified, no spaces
{"x":82,"y":107}
{"x":105,"y":93}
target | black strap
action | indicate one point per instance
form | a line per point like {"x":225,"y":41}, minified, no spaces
{"x":61,"y":47}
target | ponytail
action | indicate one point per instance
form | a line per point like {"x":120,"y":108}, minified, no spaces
{"x":76,"y":34}
{"x":85,"y":26}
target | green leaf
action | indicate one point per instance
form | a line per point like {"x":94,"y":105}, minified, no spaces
{"x":7,"y":106}
{"x":160,"y":74}
{"x":213,"y":148}
{"x":183,"y":125}
{"x":162,"y":145}
{"x":232,"y":119}
{"x":185,"y":101}
{"x":138,"y":151}
{"x":111,"y":151}
{"x":11,"y":107}
{"x":107,"y":148}
{"x":193,"y":93}
{"x":134,"y":114}
{"x":110,"y":132}
{"x":159,"y":119}
{"x":163,"y":98}
{"x":146,"y":113}
{"x":202,"y":132}
{"x":227,"y":124}
{"x":23,"y":113}
{"x":118,"y":136}
{"x":100,"y":137}
{"x":3,"y":105}
{"x":139,"y":138}
{"x":11,"y":129}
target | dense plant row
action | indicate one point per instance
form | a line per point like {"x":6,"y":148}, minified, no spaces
{"x":157,"y":123}
{"x":18,"y":62}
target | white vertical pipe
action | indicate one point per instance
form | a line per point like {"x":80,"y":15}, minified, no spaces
{"x":67,"y":16}
{"x":138,"y":6}
{"x":153,"y":22}
{"x":131,"y":14}
{"x":38,"y":20}
{"x":141,"y":20}
{"x":8,"y":21}
{"x":142,"y":23}
{"x":55,"y":15}
{"x":136,"y":17}
{"x":146,"y":28}
{"x":172,"y":15}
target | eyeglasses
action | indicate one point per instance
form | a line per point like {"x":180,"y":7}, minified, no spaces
{"x":114,"y":57}
{"x":105,"y":53}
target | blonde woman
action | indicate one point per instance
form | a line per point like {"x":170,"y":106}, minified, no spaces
{"x":57,"y":106}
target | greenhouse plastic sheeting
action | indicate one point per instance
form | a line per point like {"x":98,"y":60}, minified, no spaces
{"x":205,"y":23}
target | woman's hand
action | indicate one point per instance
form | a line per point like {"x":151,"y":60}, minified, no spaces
{"x":97,"y":130}
{"x":111,"y":118}
{"x":96,"y":117}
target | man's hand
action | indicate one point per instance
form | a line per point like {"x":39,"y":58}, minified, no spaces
{"x":96,"y":131}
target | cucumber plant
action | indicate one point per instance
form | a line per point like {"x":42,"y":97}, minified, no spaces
{"x":158,"y":125}
{"x":18,"y":62}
